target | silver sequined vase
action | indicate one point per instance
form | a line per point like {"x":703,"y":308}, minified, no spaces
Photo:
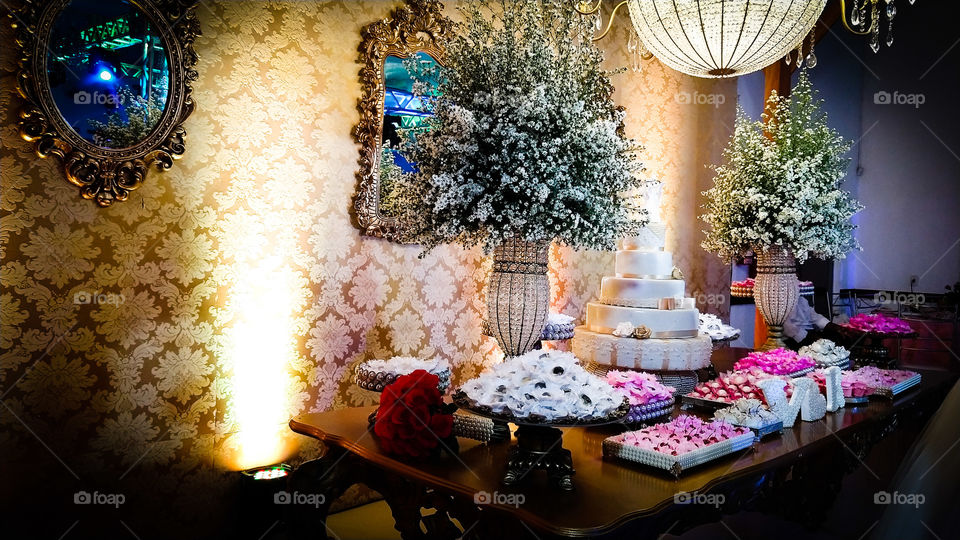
{"x":519,"y":298}
{"x":776,"y":292}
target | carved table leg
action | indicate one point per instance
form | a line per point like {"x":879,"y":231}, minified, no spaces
{"x":328,"y":476}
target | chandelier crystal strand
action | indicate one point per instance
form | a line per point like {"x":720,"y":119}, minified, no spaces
{"x":633,"y":54}
{"x":874,"y":28}
{"x":812,"y":58}
{"x":722,"y":38}
{"x":891,"y":13}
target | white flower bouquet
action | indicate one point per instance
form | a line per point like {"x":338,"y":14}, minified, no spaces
{"x":525,"y":141}
{"x":780,"y":184}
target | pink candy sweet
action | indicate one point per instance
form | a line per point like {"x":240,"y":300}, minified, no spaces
{"x":874,"y":377}
{"x":640,"y":388}
{"x":775,"y":362}
{"x":681,"y":435}
{"x":731,"y":386}
{"x":864,"y":381}
{"x":880,"y":323}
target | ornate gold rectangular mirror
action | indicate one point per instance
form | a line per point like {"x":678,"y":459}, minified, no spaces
{"x":387,"y":103}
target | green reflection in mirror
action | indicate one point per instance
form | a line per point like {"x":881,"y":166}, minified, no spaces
{"x":108,"y":71}
{"x":402,"y":109}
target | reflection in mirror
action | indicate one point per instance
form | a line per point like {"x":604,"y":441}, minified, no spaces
{"x":412,"y":38}
{"x":402,"y":109}
{"x":108,"y":71}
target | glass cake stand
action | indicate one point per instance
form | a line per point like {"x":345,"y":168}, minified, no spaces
{"x":539,"y":444}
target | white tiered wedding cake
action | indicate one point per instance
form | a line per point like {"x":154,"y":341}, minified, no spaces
{"x":647,"y":291}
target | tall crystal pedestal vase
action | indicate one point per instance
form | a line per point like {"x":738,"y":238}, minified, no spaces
{"x":776,"y":292}
{"x":519,"y":298}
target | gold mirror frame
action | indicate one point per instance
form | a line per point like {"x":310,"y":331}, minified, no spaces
{"x":105,"y":174}
{"x":418,"y":26}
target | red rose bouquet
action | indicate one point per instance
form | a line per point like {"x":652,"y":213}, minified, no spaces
{"x":413,"y":420}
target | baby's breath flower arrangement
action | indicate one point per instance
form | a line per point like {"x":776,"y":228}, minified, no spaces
{"x":783,"y":190}
{"x":525,"y":141}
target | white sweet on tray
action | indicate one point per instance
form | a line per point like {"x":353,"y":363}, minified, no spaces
{"x":558,"y":319}
{"x":404,"y":365}
{"x":751,"y":413}
{"x":712,"y":326}
{"x":825,"y":352}
{"x":544,"y":384}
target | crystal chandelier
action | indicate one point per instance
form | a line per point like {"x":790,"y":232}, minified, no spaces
{"x":719,"y":38}
{"x":726,"y":38}
{"x":864,"y":11}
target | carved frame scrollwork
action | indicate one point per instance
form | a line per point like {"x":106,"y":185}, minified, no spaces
{"x":417,"y":26}
{"x":105,"y":175}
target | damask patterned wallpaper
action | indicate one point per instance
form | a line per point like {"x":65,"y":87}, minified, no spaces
{"x":165,"y":341}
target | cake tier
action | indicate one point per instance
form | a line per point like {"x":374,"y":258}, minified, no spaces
{"x":650,"y":354}
{"x":644,"y":264}
{"x":663,"y":323}
{"x":638,"y":292}
{"x":652,"y":236}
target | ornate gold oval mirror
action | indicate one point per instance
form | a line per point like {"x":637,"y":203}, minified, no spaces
{"x":108,"y":86}
{"x":387,"y":103}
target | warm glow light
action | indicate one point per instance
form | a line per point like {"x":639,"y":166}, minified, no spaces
{"x":261,"y":347}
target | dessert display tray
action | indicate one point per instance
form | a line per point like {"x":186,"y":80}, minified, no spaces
{"x":557,"y":332}
{"x":713,"y":405}
{"x":639,"y":414}
{"x":551,"y":332}
{"x":728,"y":339}
{"x":765,"y":430}
{"x":899,"y":388}
{"x":676,"y":464}
{"x":461,"y":400}
{"x":796,"y":374}
{"x":376,"y":381}
{"x":842,"y":364}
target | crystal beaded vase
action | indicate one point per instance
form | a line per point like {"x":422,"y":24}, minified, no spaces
{"x":775,"y":291}
{"x":519,"y":298}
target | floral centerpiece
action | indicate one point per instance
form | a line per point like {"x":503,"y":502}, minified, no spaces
{"x":778,"y":195}
{"x":412,"y":419}
{"x":524,"y":147}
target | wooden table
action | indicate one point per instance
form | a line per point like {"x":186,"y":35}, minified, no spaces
{"x":613,"y":499}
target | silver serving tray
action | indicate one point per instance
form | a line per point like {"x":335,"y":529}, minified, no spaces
{"x":704,"y":403}
{"x":769,"y":429}
{"x":898,"y":388}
